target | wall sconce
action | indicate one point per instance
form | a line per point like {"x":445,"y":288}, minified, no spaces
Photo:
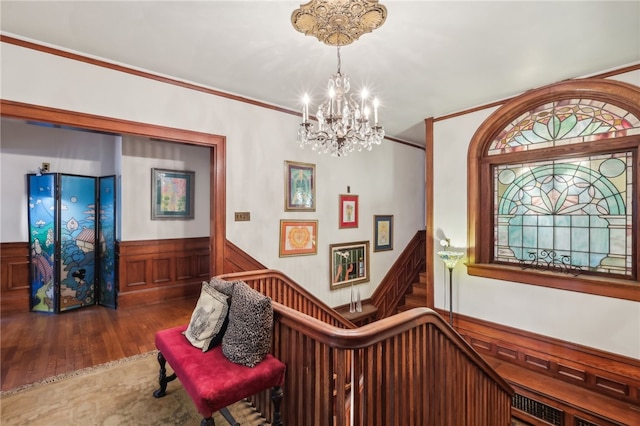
{"x":450,"y":259}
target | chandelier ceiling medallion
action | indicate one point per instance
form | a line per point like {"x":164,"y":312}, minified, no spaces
{"x":343,"y":122}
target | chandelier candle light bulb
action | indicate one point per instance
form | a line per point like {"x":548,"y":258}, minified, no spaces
{"x":305,"y":109}
{"x":375,"y":111}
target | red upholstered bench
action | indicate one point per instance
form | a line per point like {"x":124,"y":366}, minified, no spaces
{"x":211,"y":380}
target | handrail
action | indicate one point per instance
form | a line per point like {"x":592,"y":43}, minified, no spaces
{"x":411,"y":368}
{"x":287,"y":292}
{"x":386,"y":328}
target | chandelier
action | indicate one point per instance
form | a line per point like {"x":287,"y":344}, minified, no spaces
{"x":344,"y":123}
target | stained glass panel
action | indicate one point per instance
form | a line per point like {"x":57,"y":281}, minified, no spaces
{"x":565,"y":122}
{"x":569,"y":214}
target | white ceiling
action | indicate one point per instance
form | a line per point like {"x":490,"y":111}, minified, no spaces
{"x":429,"y":58}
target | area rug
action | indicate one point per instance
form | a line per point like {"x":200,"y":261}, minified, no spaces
{"x":118,"y":393}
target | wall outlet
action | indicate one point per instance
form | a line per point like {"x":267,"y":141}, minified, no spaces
{"x":45,"y":167}
{"x":242,"y":216}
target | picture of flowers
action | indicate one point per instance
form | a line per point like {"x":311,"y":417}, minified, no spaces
{"x":172,"y":194}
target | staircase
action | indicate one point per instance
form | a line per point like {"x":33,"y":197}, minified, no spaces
{"x":416,"y":295}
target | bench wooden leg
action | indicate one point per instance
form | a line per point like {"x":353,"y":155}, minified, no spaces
{"x":163,"y":379}
{"x":227,"y":415}
{"x":276,"y":398}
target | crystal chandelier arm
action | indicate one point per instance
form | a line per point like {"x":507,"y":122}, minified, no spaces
{"x":343,"y":122}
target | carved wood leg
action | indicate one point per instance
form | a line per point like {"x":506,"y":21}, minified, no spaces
{"x":276,"y":398}
{"x":163,"y":379}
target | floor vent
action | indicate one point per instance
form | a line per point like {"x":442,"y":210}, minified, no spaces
{"x":538,"y":409}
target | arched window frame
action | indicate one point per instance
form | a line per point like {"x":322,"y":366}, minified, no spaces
{"x":481,"y":192}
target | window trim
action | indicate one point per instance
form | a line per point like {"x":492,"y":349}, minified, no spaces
{"x":480,"y":197}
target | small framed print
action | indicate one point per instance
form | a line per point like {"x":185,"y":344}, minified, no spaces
{"x":172,"y":194}
{"x":348,"y":211}
{"x":299,"y":186}
{"x":382,"y":232}
{"x":298,"y":237}
{"x":349,"y":264}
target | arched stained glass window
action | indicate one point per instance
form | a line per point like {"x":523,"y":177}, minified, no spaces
{"x":553,"y":189}
{"x":565,"y":122}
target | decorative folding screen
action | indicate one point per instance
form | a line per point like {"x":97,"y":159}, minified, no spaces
{"x":72,"y":241}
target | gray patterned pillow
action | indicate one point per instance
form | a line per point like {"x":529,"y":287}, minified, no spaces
{"x":248,"y":337}
{"x":207,"y":317}
{"x":224,"y":287}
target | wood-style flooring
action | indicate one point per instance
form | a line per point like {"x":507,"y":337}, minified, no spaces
{"x":35,"y":346}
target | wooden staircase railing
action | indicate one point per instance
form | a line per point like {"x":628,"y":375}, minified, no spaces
{"x":405,"y":271}
{"x":406,"y":369}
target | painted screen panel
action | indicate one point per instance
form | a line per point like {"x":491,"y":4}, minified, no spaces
{"x":107,"y":290}
{"x":42,"y":218}
{"x":77,"y":241}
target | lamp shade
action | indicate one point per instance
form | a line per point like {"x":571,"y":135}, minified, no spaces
{"x":450,"y":258}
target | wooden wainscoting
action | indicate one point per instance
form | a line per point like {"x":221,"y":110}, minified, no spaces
{"x":581,"y":382}
{"x":14,"y":277}
{"x":151,"y":271}
{"x":237,"y":260}
{"x":404,"y":272}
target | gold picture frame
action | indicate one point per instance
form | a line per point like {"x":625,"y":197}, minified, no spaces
{"x":299,"y":186}
{"x":349,"y":264}
{"x":298,"y":237}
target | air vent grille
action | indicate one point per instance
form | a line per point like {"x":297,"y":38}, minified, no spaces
{"x":539,"y":410}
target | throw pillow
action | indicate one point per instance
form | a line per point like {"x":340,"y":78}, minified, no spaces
{"x":207,"y":318}
{"x":247,"y":340}
{"x":224,"y":287}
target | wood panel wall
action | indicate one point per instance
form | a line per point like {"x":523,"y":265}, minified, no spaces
{"x":237,"y":260}
{"x":14,"y":277}
{"x":603,"y":372}
{"x":150,"y":271}
{"x":404,"y":272}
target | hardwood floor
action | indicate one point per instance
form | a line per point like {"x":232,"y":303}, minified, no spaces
{"x":34,"y":346}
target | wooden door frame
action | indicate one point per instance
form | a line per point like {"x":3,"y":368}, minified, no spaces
{"x":216,"y":143}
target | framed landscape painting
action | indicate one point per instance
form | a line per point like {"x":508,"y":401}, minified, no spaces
{"x":172,"y":194}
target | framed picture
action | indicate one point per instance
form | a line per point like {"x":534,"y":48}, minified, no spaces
{"x":172,"y":194}
{"x":298,"y":237}
{"x":349,"y":264}
{"x":348,"y":211}
{"x":382,"y":232}
{"x":299,"y":186}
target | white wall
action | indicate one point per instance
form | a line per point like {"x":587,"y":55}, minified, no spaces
{"x":24,"y":147}
{"x":601,"y":322}
{"x":139,"y":156}
{"x":389,"y":179}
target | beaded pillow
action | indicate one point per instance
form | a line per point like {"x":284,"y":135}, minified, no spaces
{"x":247,"y":340}
{"x":208,"y":318}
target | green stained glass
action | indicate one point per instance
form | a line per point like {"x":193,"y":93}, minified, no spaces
{"x":565,"y":122}
{"x":573,"y":211}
